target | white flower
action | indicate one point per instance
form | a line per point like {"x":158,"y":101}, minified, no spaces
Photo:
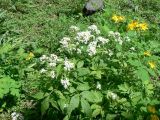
{"x":84,"y":37}
{"x":110,"y":33}
{"x":79,"y":51}
{"x":98,"y":86}
{"x":92,"y":48}
{"x":132,"y":48}
{"x":43,"y":58}
{"x":112,"y":95}
{"x":17,"y":116}
{"x":119,"y":40}
{"x":52,"y":74}
{"x":65,"y":42}
{"x":68,"y":65}
{"x":65,"y":83}
{"x":102,"y":40}
{"x":109,"y":52}
{"x":74,"y":28}
{"x":117,"y":34}
{"x":65,"y":106}
{"x":43,"y":70}
{"x":94,"y":28}
{"x":127,"y":39}
{"x":54,"y":57}
{"x":52,"y":64}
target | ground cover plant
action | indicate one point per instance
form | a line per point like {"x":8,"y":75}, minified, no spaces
{"x":57,"y":64}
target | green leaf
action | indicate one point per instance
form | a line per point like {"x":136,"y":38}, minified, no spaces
{"x":38,"y":96}
{"x":80,"y":64}
{"x":96,"y":112}
{"x":86,"y":107}
{"x":66,"y":117}
{"x":142,"y":74}
{"x":74,"y":103}
{"x":54,"y":104}
{"x":83,"y":71}
{"x":84,"y":86}
{"x":92,"y":96}
{"x":135,"y":63}
{"x":44,"y":105}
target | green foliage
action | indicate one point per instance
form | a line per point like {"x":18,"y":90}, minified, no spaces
{"x":119,"y":81}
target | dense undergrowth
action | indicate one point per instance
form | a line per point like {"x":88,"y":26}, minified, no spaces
{"x":57,"y":64}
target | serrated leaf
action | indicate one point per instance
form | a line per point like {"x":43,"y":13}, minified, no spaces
{"x":39,"y":95}
{"x":54,"y":104}
{"x":44,"y":105}
{"x":92,"y":96}
{"x":83,"y":86}
{"x":86,"y":107}
{"x":80,"y":64}
{"x":83,"y":71}
{"x":96,"y":112}
{"x":74,"y":103}
{"x":143,"y":74}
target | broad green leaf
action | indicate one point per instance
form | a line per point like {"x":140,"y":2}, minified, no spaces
{"x":54,"y":104}
{"x":92,"y":96}
{"x":39,"y":95}
{"x":135,"y":63}
{"x":80,"y":64}
{"x":96,"y":112}
{"x":83,"y":86}
{"x":74,"y":103}
{"x":66,"y":117}
{"x":83,"y":71}
{"x":86,"y":107}
{"x":142,"y":74}
{"x":44,"y":105}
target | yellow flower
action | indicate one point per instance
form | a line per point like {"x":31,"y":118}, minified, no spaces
{"x":143,"y":26}
{"x":132,"y":25}
{"x":30,"y":56}
{"x":152,"y":64}
{"x":121,"y":18}
{"x":117,"y":19}
{"x":147,"y":53}
{"x":154,"y":117}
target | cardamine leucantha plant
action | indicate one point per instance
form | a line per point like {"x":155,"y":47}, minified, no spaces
{"x":95,"y":76}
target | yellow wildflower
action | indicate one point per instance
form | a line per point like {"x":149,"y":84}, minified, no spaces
{"x":132,"y":25}
{"x":117,"y":19}
{"x":121,"y":18}
{"x":152,"y":64}
{"x":143,"y":26}
{"x":30,"y":56}
{"x":154,"y":117}
{"x":147,"y":53}
{"x":151,"y":108}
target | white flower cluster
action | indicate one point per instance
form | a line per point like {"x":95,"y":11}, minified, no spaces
{"x":93,"y":28}
{"x":68,"y":65}
{"x":65,"y":42}
{"x":102,"y":40}
{"x":92,"y":48}
{"x":83,"y":41}
{"x":112,"y":95}
{"x":84,"y":36}
{"x":17,"y":116}
{"x":98,"y":86}
{"x":51,"y":61}
{"x":74,"y":28}
{"x":116,"y":36}
{"x":65,"y":82}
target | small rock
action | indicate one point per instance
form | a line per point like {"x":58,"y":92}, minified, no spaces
{"x":92,"y":6}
